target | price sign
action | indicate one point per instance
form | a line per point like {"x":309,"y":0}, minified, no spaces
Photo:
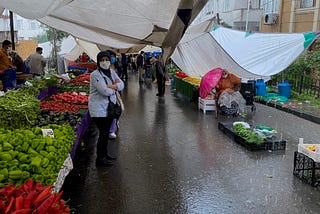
{"x":47,"y":132}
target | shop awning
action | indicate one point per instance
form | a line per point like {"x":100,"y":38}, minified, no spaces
{"x":113,"y":23}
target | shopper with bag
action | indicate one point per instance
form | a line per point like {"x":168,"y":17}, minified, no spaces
{"x":104,"y":85}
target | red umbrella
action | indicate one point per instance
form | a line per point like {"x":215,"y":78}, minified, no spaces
{"x":209,"y":81}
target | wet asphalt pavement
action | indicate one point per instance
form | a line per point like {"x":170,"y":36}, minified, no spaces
{"x":172,"y":158}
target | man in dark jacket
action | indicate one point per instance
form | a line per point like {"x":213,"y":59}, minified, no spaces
{"x":140,"y":65}
{"x":124,"y":63}
{"x":160,"y":71}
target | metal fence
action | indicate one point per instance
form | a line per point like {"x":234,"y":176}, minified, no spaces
{"x":299,"y":83}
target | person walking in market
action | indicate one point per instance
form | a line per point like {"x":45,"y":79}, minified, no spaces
{"x":104,"y":82}
{"x":37,"y":63}
{"x":159,"y":68}
{"x":124,"y":64}
{"x":114,"y":128}
{"x":140,"y":65}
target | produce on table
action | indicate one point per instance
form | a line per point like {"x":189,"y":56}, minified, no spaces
{"x":31,"y":197}
{"x":46,"y":117}
{"x":18,"y":109}
{"x":181,"y":74}
{"x":193,"y":80}
{"x":73,"y":87}
{"x":26,"y":154}
{"x":172,"y":69}
{"x":37,"y":86}
{"x":247,"y":134}
{"x":61,"y":107}
{"x":71,"y":97}
{"x":312,"y":148}
{"x":83,"y":79}
{"x":75,"y":72}
{"x":52,"y":81}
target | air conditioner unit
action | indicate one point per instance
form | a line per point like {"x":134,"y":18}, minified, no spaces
{"x":271,"y":18}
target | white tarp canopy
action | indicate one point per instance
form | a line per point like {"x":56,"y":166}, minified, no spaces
{"x":118,"y":24}
{"x":81,"y":46}
{"x":249,"y":55}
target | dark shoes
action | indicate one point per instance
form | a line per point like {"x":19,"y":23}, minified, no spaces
{"x":104,"y":162}
{"x":159,"y":95}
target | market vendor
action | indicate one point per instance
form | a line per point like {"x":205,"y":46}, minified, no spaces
{"x":228,"y":81}
{"x":7,"y":69}
{"x":5,"y":61}
{"x":228,"y":92}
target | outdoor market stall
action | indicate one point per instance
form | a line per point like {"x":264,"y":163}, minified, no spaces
{"x":187,"y":86}
{"x":38,"y":142}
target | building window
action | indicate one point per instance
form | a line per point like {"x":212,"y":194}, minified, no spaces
{"x":19,"y":24}
{"x":305,"y":3}
{"x":33,"y":26}
{"x":226,"y":6}
{"x":270,"y":6}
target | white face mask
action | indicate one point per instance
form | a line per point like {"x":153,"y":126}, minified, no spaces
{"x":105,"y":64}
{"x":9,"y":49}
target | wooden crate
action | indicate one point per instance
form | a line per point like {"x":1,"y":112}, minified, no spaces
{"x":206,"y":105}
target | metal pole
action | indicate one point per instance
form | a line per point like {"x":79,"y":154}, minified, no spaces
{"x":55,"y":51}
{"x":247,"y":18}
{"x":12,"y":30}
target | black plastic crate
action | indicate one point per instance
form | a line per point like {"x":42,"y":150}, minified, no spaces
{"x":227,"y":129}
{"x":273,"y":143}
{"x":247,"y":91}
{"x":306,"y":169}
{"x":269,"y":144}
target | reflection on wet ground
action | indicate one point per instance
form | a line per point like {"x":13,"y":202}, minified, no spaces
{"x":172,"y":158}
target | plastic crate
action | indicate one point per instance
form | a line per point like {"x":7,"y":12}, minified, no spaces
{"x":306,"y":169}
{"x":206,"y":105}
{"x":227,"y":129}
{"x":270,"y":144}
{"x":247,"y":91}
{"x":9,"y":79}
{"x":273,"y":143}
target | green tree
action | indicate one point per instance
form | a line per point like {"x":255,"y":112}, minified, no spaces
{"x":41,"y":38}
{"x":50,"y":34}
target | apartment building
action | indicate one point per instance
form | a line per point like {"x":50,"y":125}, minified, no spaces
{"x":238,"y":14}
{"x":293,"y":16}
{"x":25,"y":29}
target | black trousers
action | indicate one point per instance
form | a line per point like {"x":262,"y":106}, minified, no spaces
{"x":103,"y":124}
{"x":124,"y":71}
{"x":161,"y":81}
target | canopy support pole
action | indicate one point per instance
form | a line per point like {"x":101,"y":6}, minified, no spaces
{"x":247,"y":18}
{"x":12,"y":30}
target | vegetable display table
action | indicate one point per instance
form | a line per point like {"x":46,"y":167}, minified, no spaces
{"x":186,"y":89}
{"x":272,"y":143}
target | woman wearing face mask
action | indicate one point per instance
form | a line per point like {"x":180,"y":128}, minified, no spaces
{"x":229,"y":97}
{"x":104,"y":82}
